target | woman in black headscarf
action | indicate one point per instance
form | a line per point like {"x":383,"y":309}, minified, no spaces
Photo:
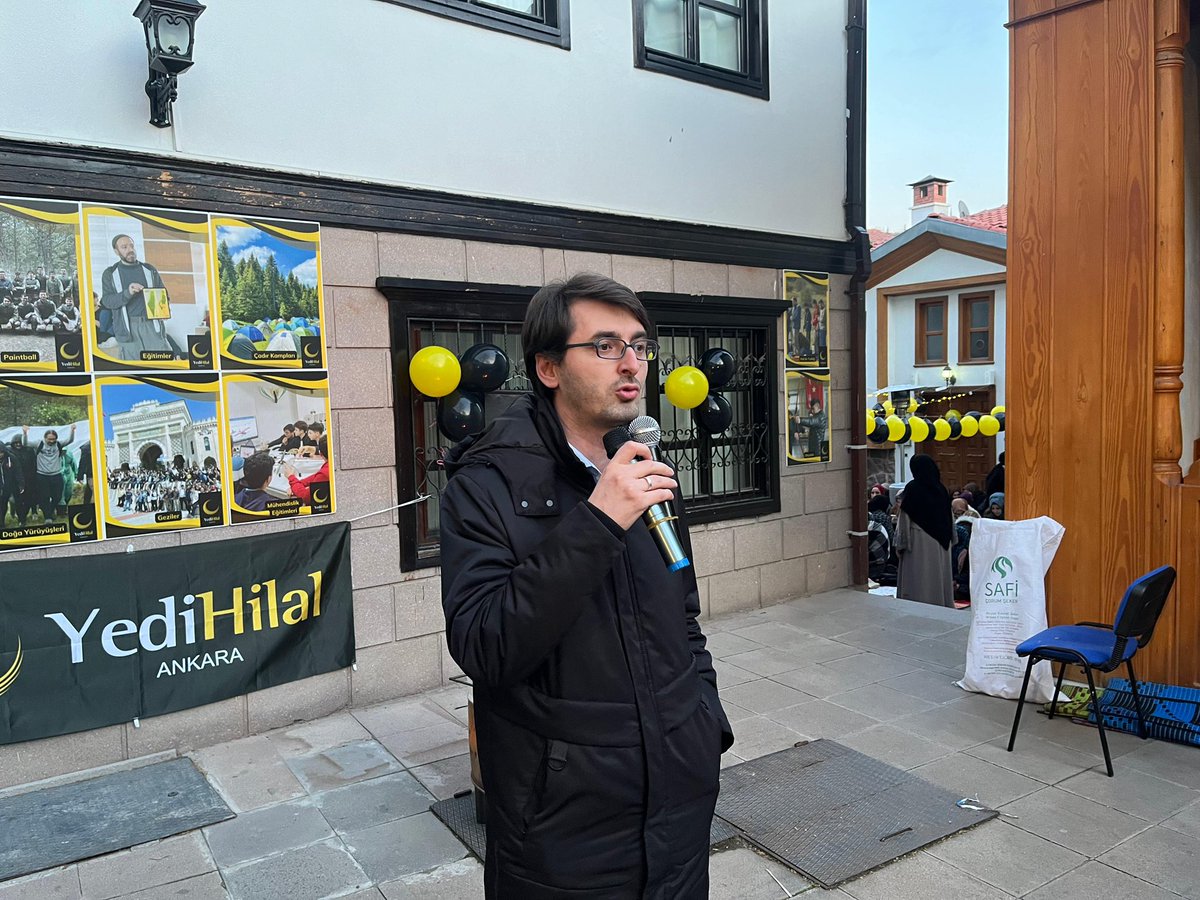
{"x":924,"y":533}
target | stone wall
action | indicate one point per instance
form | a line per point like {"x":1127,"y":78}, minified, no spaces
{"x":398,"y":620}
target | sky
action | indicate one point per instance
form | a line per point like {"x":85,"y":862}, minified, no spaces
{"x":937,"y":104}
{"x":244,"y":242}
{"x":119,"y":398}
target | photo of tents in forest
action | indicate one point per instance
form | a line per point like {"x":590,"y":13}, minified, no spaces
{"x":269,"y":293}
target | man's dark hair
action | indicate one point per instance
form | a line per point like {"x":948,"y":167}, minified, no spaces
{"x":323,"y":447}
{"x":301,"y":425}
{"x":318,"y":427}
{"x":256,"y":471}
{"x":118,"y":237}
{"x":289,"y":427}
{"x":548,"y":322}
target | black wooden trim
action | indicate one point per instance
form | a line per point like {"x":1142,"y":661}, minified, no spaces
{"x":754,"y":82}
{"x":116,"y":176}
{"x":555,"y":30}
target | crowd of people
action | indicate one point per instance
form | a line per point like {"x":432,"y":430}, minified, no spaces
{"x":920,"y":541}
{"x":176,"y":488}
{"x":39,"y":302}
{"x":38,"y":479}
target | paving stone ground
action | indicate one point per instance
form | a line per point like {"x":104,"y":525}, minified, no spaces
{"x":338,"y":807}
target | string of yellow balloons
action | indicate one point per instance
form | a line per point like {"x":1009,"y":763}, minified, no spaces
{"x":951,"y":426}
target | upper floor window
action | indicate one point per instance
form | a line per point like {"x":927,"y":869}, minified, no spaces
{"x":539,"y":20}
{"x":721,"y":43}
{"x":931,"y":331}
{"x":975,"y":327}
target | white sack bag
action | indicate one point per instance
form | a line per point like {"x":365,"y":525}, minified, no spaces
{"x":1009,"y":561}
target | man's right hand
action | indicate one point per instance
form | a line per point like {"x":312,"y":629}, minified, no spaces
{"x":136,"y":288}
{"x":629,"y":486}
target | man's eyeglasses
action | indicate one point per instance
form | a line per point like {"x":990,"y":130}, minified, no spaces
{"x":614,"y":348}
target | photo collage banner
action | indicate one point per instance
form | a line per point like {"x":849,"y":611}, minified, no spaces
{"x":160,"y":370}
{"x":807,"y":369}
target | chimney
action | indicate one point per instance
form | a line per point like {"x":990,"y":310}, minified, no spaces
{"x":930,"y":196}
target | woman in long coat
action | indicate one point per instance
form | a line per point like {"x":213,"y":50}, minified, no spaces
{"x":924,"y":532}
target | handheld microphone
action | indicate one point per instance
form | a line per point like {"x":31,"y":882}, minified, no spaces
{"x":658,"y":518}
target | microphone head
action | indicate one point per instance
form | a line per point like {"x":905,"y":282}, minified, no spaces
{"x":645,"y":430}
{"x":615,"y":439}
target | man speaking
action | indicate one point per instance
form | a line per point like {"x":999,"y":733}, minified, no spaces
{"x":596,"y":711}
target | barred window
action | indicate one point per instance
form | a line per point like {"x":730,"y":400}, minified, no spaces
{"x":732,"y":475}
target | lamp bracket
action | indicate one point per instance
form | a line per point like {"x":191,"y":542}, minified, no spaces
{"x":163,"y":90}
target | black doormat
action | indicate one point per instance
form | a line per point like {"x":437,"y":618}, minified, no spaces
{"x":58,"y":825}
{"x":832,"y":813}
{"x":458,"y":814}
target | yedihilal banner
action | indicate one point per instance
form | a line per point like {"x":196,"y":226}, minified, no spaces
{"x":41,"y":326}
{"x":150,"y":288}
{"x":282,"y":458}
{"x":47,"y":461}
{"x":163,"y":452}
{"x":269,"y":297}
{"x":116,"y":637}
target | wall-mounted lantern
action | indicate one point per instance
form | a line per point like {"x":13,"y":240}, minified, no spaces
{"x":170,"y":27}
{"x":948,"y":376}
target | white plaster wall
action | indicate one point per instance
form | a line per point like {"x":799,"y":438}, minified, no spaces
{"x":368,"y":90}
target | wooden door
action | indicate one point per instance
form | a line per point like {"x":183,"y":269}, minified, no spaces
{"x":966,"y":459}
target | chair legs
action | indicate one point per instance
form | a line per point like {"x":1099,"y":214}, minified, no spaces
{"x":1012,"y":738}
{"x":1099,"y":720}
{"x":1143,"y":732}
{"x":1062,"y":670}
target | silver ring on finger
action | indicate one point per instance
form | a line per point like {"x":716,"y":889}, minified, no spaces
{"x":649,"y":483}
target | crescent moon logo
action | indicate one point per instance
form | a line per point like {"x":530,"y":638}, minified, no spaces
{"x":201,"y":350}
{"x":308,"y":355}
{"x":72,"y":347}
{"x":82,"y":526}
{"x":320,"y":496}
{"x":10,"y":676}
{"x":209,"y":512}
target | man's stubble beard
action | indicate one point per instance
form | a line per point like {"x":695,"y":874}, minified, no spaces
{"x":579,"y":400}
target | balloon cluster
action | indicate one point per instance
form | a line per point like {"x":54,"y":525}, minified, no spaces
{"x":696,"y":388}
{"x":884,"y":425}
{"x":459,"y":384}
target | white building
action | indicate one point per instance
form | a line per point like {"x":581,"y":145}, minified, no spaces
{"x":459,"y":154}
{"x":936,"y":320}
{"x":163,"y":430}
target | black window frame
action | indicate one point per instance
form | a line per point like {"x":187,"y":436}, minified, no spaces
{"x":553,"y":29}
{"x":753,"y":82}
{"x":414,"y":300}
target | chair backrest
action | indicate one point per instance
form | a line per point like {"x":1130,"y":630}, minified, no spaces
{"x":1143,"y":603}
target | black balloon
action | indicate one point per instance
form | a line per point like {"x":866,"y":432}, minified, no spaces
{"x":460,"y":415}
{"x":907,"y":436}
{"x":879,"y":410}
{"x":955,"y":428}
{"x":1000,"y":419}
{"x":484,"y":368}
{"x":974,"y":414}
{"x":713,"y":415}
{"x":718,"y":367}
{"x":879,"y":433}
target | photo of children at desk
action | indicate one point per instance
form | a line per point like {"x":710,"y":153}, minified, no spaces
{"x":280,"y":450}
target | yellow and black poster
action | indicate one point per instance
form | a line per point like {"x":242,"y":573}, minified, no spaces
{"x":281,"y":445}
{"x":47,"y":461}
{"x":808,"y":318}
{"x":150,"y":281}
{"x":807,"y":416}
{"x":41,"y":327}
{"x":162,"y":451}
{"x":129,"y":635}
{"x":268,"y":276}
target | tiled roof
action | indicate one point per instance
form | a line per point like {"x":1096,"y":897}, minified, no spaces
{"x":988,"y":219}
{"x":879,"y":236}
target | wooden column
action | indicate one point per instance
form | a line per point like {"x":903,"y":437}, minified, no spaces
{"x":1171,"y":35}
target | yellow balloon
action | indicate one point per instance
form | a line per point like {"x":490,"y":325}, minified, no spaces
{"x":686,"y":387}
{"x":997,"y":410}
{"x":870,"y":421}
{"x":920,"y":429}
{"x":895,"y":427}
{"x":989,"y":426}
{"x":970,"y":426}
{"x":941,"y":430}
{"x":434,"y":371}
{"x":913,"y":404}
{"x":952,"y":414}
{"x":888,"y":407}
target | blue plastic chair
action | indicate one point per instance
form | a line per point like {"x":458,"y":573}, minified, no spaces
{"x":1101,"y":647}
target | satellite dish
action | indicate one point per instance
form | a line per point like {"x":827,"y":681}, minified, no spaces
{"x":962,"y":209}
